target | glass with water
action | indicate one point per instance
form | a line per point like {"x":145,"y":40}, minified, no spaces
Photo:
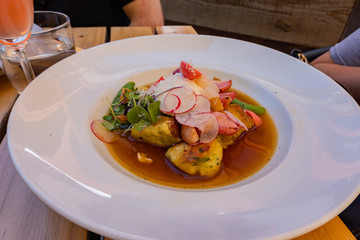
{"x":50,"y":42}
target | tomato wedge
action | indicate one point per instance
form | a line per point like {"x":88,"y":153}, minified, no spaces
{"x":188,"y":71}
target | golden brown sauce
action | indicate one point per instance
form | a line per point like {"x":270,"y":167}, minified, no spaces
{"x":245,"y":157}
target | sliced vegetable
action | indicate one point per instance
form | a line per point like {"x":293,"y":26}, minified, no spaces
{"x":102,"y":133}
{"x":187,"y":98}
{"x":202,"y":106}
{"x":256,"y":109}
{"x":172,"y":103}
{"x":179,"y":100}
{"x":188,"y":71}
{"x":210,"y":89}
{"x":223,"y":86}
{"x":208,"y":126}
{"x":236,"y":120}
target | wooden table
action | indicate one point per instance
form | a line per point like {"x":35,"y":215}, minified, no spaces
{"x":24,"y":216}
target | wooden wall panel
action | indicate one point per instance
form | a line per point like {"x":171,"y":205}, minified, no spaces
{"x":314,"y":23}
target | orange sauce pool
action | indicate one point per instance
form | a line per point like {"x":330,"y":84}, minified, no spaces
{"x":245,"y":157}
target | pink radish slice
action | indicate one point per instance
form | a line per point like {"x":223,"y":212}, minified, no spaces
{"x":182,"y":118}
{"x":172,"y":102}
{"x":163,"y":108}
{"x":236,"y":120}
{"x":187,"y":99}
{"x":102,"y":133}
{"x":226,"y":125}
{"x":202,"y":106}
{"x":207,"y":124}
{"x":163,"y":92}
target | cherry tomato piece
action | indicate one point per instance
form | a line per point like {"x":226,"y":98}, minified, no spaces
{"x":188,"y":71}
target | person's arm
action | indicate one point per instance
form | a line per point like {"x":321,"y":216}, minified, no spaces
{"x":347,"y":76}
{"x":144,"y":13}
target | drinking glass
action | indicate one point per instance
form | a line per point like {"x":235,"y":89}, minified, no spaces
{"x":51,"y":41}
{"x":16,"y":21}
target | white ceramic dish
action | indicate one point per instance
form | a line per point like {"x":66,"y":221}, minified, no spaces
{"x":313,"y":176}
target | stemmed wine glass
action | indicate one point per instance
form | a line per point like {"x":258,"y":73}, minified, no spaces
{"x":16,"y":21}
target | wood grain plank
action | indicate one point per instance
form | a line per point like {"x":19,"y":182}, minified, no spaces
{"x":118,"y":33}
{"x":175,"y":30}
{"x":22,"y":214}
{"x":86,"y":37}
{"x":311,"y":23}
{"x":8,"y":96}
{"x":333,"y":230}
{"x":354,"y":20}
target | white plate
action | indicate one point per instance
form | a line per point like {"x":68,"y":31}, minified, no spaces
{"x":313,"y":176}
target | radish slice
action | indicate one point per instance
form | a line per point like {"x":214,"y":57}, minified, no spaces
{"x":202,"y":106}
{"x":210,"y":89}
{"x":183,"y":118}
{"x":187,"y":98}
{"x":208,"y":126}
{"x":172,"y":103}
{"x":236,"y":120}
{"x":102,"y":133}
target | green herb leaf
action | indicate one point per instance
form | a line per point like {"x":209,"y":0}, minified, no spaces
{"x":141,"y":125}
{"x":130,"y":86}
{"x":154,"y":110}
{"x":108,"y":126}
{"x":136,"y":114}
{"x":107,"y":118}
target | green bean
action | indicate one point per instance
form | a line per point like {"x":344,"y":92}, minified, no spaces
{"x":256,"y":109}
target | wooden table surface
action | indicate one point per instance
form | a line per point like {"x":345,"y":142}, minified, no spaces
{"x":24,"y":216}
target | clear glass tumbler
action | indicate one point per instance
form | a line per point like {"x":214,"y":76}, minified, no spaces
{"x":50,"y":42}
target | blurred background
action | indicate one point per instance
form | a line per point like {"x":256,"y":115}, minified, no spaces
{"x":280,"y":24}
